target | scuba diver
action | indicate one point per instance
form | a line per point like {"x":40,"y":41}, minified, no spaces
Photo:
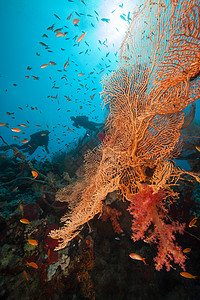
{"x":82,"y":121}
{"x":37,"y":139}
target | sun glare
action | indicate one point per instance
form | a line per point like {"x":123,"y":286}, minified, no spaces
{"x":119,"y":15}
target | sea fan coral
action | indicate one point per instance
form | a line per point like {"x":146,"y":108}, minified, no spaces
{"x":146,"y":95}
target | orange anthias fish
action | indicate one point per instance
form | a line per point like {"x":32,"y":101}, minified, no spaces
{"x":32,"y":264}
{"x":52,"y":63}
{"x":35,"y":174}
{"x":193,"y":222}
{"x":48,"y":254}
{"x":59,"y":34}
{"x":198,"y":148}
{"x":25,"y":221}
{"x":35,"y":77}
{"x":54,"y":237}
{"x":66,"y":64}
{"x":188,"y":275}
{"x":44,"y":66}
{"x":137,"y":257}
{"x":32,"y":242}
{"x":68,"y":18}
{"x":21,"y":208}
{"x":24,"y":141}
{"x":51,"y":27}
{"x":186,"y":250}
{"x":81,"y":37}
{"x":76,"y":21}
{"x":16,"y":129}
{"x":15,"y":188}
{"x":26,"y":275}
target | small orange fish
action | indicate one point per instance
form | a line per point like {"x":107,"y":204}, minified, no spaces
{"x":37,"y":125}
{"x":35,"y":174}
{"x":49,"y":253}
{"x":21,"y":208}
{"x":15,"y":137}
{"x":43,"y":134}
{"x":198,"y":148}
{"x":25,"y":221}
{"x":2,"y":124}
{"x":27,"y":77}
{"x":16,"y":129}
{"x":76,"y":21}
{"x":186,"y":250}
{"x":68,"y":18}
{"x":32,"y":242}
{"x":52,"y":63}
{"x":54,"y":237}
{"x":43,"y":44}
{"x":24,"y":125}
{"x":14,"y":189}
{"x":24,"y":141}
{"x":137,"y":257}
{"x":60,"y":34}
{"x":44,"y":66}
{"x":26,"y":275}
{"x":81,"y":37}
{"x":51,"y":27}
{"x":35,"y":77}
{"x":58,"y":30}
{"x":32,"y":264}
{"x":192,"y":222}
{"x":188,"y":275}
{"x":68,"y":99}
{"x":81,"y":74}
{"x":66,"y":64}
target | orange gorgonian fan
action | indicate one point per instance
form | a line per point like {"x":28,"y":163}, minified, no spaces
{"x":156,"y":79}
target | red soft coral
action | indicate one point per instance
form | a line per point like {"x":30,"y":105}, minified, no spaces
{"x":147,"y":208}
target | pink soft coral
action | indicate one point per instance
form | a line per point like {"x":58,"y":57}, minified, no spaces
{"x":147,"y":208}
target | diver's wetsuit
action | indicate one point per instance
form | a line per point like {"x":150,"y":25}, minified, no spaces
{"x":82,"y":121}
{"x":37,"y":139}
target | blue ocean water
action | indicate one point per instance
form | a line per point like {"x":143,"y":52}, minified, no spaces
{"x":29,"y":101}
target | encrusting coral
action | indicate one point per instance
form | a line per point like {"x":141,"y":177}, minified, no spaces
{"x":146,"y":95}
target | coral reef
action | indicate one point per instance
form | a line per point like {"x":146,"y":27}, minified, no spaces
{"x":146,"y":95}
{"x":113,"y":214}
